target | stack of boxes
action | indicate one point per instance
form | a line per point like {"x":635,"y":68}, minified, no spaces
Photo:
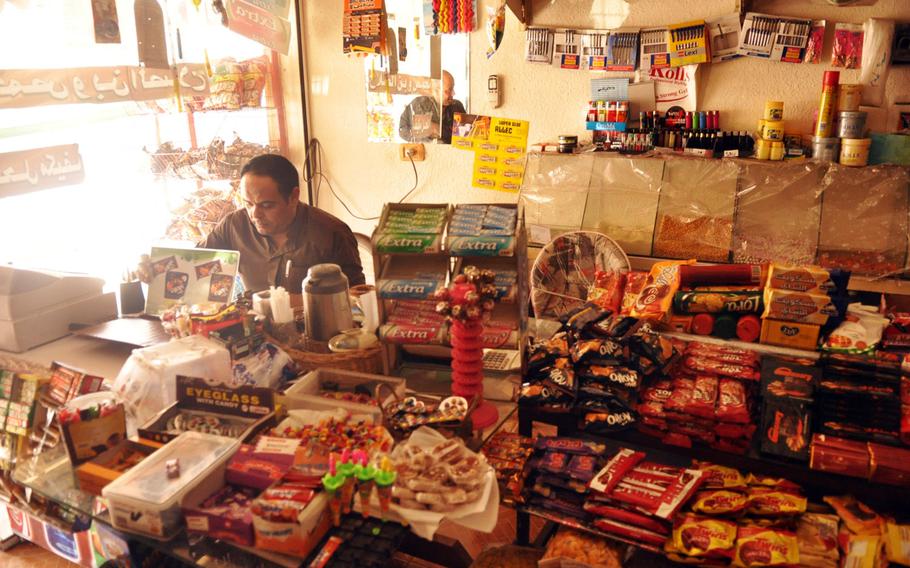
{"x":770,"y":145}
{"x":799,"y":302}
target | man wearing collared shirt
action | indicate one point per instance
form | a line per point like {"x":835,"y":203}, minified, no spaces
{"x":278,"y":237}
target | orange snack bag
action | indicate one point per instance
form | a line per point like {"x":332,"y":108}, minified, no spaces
{"x":656,"y":297}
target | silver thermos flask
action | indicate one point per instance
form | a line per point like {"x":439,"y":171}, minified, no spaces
{"x":326,"y":303}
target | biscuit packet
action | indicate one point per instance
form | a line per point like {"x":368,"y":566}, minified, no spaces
{"x":702,"y":537}
{"x":656,"y":296}
{"x":759,"y":546}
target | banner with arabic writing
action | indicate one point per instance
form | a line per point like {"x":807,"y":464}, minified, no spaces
{"x":21,"y":88}
{"x":40,"y":168}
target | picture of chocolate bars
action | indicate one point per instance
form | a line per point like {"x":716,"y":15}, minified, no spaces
{"x":220,"y":288}
{"x":207,"y":268}
{"x":161,"y":266}
{"x":175,"y":284}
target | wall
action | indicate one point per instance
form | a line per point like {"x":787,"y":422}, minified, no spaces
{"x":367,"y":175}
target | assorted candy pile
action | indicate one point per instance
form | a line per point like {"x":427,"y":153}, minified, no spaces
{"x":334,"y":435}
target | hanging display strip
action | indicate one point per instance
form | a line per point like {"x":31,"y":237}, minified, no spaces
{"x":363,"y":28}
{"x":779,"y":38}
{"x":450,"y":16}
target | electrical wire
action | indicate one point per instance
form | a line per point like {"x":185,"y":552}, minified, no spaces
{"x":315,"y":148}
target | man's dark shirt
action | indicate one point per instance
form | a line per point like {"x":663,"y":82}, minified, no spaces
{"x":425,"y":105}
{"x":314,"y":237}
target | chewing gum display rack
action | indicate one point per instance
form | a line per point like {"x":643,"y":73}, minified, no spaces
{"x":413,"y":261}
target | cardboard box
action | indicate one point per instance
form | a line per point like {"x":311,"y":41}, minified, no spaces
{"x":890,"y":465}
{"x":784,"y":377}
{"x":836,"y":455}
{"x":306,"y":390}
{"x":225,"y":522}
{"x":392,"y":238}
{"x":87,"y":439}
{"x":790,"y":334}
{"x":299,"y":538}
{"x":486,"y":244}
{"x":412,"y":278}
{"x":246,"y":410}
{"x":786,"y":427}
{"x":262,"y":465}
{"x":108,"y":466}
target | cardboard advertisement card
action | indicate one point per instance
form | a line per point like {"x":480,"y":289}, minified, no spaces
{"x":190,"y":276}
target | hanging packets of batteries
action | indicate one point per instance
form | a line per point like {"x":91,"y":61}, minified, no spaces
{"x":451,"y":16}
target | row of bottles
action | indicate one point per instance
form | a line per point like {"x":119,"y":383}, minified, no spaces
{"x":707,"y":143}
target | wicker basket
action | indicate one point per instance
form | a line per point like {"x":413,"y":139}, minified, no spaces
{"x":314,"y":355}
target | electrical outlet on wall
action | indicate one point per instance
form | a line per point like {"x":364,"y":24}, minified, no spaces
{"x":414,"y":152}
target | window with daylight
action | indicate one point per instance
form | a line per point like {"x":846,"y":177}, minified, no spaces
{"x":123,"y":123}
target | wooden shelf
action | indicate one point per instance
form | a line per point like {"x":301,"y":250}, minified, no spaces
{"x":815,"y":483}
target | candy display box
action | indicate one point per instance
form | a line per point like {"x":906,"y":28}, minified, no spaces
{"x":94,"y":475}
{"x":309,"y":389}
{"x":235,"y":413}
{"x":148,"y":498}
{"x":298,"y":538}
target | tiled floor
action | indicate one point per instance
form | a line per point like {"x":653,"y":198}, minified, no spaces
{"x":27,"y":555}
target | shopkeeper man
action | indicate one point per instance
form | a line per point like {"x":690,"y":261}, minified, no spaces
{"x":278,"y":237}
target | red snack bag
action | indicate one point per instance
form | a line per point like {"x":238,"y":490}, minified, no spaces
{"x":759,"y":546}
{"x":704,"y":396}
{"x":627,"y":516}
{"x":612,"y":473}
{"x":651,"y":408}
{"x":720,"y":477}
{"x":768,"y":502}
{"x":631,"y":532}
{"x":703,"y":537}
{"x":732,"y":446}
{"x":744,"y":431}
{"x":731,"y":402}
{"x":701,"y":364}
{"x":723,"y":353}
{"x":607,"y":291}
{"x":677,"y":439}
{"x":634,"y":282}
{"x":683,"y":390}
{"x":719,"y":502}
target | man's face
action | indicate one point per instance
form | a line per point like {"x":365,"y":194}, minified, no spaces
{"x":448,"y":89}
{"x":267,"y":209}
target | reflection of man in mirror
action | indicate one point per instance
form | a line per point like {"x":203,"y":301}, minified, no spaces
{"x":420,"y":120}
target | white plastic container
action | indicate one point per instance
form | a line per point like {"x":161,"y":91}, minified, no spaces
{"x":145,"y":500}
{"x":305,"y":392}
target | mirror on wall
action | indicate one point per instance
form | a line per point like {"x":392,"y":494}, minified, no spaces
{"x":414,"y":93}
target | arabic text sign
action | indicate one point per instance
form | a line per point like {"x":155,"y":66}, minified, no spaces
{"x":259,"y":25}
{"x":36,"y":87}
{"x":40,"y":168}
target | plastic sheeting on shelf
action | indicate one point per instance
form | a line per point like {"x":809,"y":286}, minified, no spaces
{"x":777,"y":212}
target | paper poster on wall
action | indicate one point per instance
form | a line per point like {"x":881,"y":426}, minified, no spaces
{"x":107,"y":26}
{"x":499,"y":146}
{"x":190,"y":276}
{"x":363,"y":27}
{"x":675,"y":87}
